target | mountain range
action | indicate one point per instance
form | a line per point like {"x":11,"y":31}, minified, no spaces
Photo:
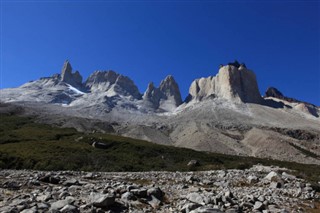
{"x":225,"y":113}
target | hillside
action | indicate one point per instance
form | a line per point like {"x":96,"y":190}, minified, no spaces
{"x":25,"y":144}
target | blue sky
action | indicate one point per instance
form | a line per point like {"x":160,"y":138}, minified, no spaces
{"x":145,"y":40}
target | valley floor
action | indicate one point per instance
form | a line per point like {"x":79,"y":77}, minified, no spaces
{"x":258,"y":189}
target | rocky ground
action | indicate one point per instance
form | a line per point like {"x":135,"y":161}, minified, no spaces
{"x":259,"y":189}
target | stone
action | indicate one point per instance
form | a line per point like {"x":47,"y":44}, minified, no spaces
{"x":196,"y":198}
{"x":189,"y":207}
{"x":228,"y":194}
{"x":275,"y":185}
{"x":206,"y":210}
{"x":69,"y":209}
{"x":33,"y":210}
{"x":156,"y":192}
{"x":42,"y":206}
{"x":193,"y":163}
{"x":154,"y":202}
{"x":252,"y":179}
{"x":128,"y":196}
{"x":272,"y":176}
{"x":258,"y":205}
{"x":50,"y":179}
{"x":142,"y":192}
{"x":101,"y":200}
{"x":71,"y":182}
{"x":288,"y":176}
{"x":44,"y":197}
{"x":58,"y":205}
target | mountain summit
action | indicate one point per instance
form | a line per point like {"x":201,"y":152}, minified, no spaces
{"x":74,"y":79}
{"x":234,"y":82}
{"x":166,"y":97}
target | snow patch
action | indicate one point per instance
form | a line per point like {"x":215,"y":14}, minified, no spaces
{"x":75,"y":90}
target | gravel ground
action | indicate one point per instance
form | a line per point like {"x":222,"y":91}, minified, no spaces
{"x":259,"y":189}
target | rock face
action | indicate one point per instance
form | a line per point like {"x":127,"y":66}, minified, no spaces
{"x":112,"y":83}
{"x":170,"y":90}
{"x":233,"y":83}
{"x":299,"y":105}
{"x":74,"y":79}
{"x":166,"y":97}
{"x":274,"y":92}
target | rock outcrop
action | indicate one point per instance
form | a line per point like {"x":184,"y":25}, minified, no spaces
{"x":299,"y":105}
{"x":112,"y":83}
{"x":274,"y":92}
{"x":166,"y":97}
{"x":170,"y":90}
{"x":74,"y":79}
{"x":234,"y":82}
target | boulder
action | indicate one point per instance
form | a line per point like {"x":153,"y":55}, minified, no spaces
{"x":272,"y":176}
{"x":101,"y":200}
{"x":156,"y":192}
{"x":193,"y":163}
{"x":196,"y":198}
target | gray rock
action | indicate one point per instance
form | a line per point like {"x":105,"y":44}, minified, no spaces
{"x":273,"y":176}
{"x":50,"y":179}
{"x":156,"y":192}
{"x":154,"y":202}
{"x":71,"y":182}
{"x":189,"y":207}
{"x":275,"y":185}
{"x":58,"y":205}
{"x":69,"y":209}
{"x":128,"y":196}
{"x":196,"y":198}
{"x":32,"y":210}
{"x":206,"y":210}
{"x":258,"y":205}
{"x":288,"y":176}
{"x":43,"y":206}
{"x":142,"y":192}
{"x":101,"y":200}
{"x":252,"y":179}
{"x":193,"y":163}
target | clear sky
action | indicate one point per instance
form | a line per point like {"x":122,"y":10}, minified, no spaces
{"x":148,"y":40}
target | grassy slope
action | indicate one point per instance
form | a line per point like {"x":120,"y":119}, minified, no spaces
{"x":25,"y":144}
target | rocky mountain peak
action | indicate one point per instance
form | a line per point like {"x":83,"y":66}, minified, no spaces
{"x":74,"y":79}
{"x":170,"y":88}
{"x":274,"y":92}
{"x":166,"y":96}
{"x":113,"y":83}
{"x":233,"y":82}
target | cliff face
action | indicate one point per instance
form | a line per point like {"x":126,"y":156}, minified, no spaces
{"x":236,"y":84}
{"x":166,"y":97}
{"x":74,"y":79}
